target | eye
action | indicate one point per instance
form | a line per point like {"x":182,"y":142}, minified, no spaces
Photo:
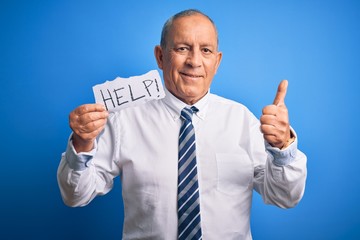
{"x":182,"y":49}
{"x":206,"y":50}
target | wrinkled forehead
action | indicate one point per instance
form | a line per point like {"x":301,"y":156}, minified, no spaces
{"x":193,"y":26}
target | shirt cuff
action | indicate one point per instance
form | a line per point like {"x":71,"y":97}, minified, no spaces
{"x":78,"y":161}
{"x":283,"y":157}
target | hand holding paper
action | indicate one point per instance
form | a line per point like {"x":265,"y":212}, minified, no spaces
{"x":275,"y":119}
{"x":87,"y":121}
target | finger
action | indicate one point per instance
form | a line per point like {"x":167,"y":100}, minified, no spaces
{"x":86,"y":108}
{"x":271,"y":134}
{"x":268,"y":129}
{"x":270,"y":110}
{"x":273,"y":140}
{"x":268,"y":120}
{"x":89,"y":136}
{"x":77,"y":121}
{"x":92,"y":126}
{"x":92,"y":116}
{"x":281,"y":93}
{"x":84,"y":123}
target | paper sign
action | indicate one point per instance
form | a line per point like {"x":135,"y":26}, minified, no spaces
{"x":125,"y":92}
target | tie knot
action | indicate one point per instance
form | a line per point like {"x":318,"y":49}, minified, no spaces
{"x":187,"y":113}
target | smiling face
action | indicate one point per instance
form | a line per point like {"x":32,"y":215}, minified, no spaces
{"x":190,"y":58}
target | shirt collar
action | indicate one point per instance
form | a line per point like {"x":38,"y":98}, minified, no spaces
{"x":175,"y":105}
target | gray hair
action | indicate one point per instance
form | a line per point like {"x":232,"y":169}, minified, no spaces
{"x":168,"y":24}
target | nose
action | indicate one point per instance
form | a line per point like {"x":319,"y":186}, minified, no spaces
{"x":194,"y":58}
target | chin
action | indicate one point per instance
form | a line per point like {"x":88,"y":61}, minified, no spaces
{"x":192,"y":98}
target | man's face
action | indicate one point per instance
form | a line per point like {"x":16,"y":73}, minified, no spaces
{"x":190,"y":58}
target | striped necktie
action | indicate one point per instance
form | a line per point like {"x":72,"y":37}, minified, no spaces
{"x":188,"y":188}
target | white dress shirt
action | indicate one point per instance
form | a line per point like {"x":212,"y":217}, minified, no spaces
{"x":141,"y":145}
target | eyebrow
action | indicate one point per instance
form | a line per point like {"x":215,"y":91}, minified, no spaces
{"x":189,"y":44}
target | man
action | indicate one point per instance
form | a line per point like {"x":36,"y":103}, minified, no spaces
{"x":201,"y":188}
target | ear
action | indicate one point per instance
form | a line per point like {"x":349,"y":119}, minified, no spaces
{"x":159,"y":56}
{"x":218,"y":60}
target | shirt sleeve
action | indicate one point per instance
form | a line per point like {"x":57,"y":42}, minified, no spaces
{"x":78,"y":161}
{"x":280,"y":175}
{"x":283,"y":157}
{"x":83,"y":176}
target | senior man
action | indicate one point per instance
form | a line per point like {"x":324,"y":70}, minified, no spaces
{"x":189,"y":162}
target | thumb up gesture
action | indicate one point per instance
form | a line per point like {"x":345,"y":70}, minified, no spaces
{"x":275,"y":119}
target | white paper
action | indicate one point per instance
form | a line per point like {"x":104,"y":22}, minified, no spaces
{"x":125,"y":92}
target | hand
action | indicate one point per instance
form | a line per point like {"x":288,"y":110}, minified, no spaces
{"x":87,"y":121}
{"x":275,"y":119}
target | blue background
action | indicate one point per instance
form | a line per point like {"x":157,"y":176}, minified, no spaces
{"x":53,"y":52}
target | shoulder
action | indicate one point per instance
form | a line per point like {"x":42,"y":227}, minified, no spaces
{"x":230,"y":111}
{"x":222,"y":102}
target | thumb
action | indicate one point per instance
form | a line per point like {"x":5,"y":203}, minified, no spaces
{"x":281,"y":93}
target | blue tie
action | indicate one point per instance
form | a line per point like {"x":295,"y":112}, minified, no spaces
{"x":188,"y":188}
